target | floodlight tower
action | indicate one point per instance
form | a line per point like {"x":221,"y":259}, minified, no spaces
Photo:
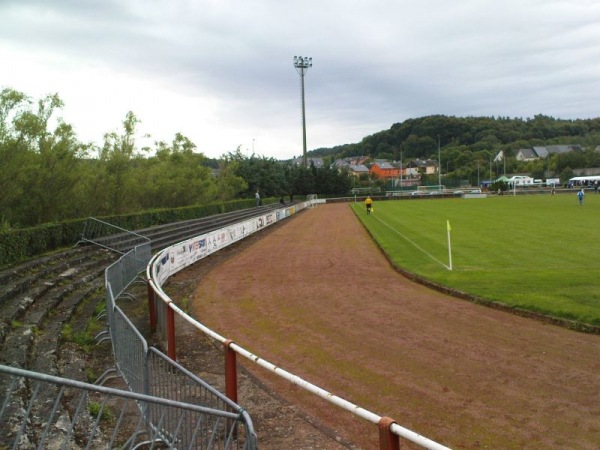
{"x":302,"y":64}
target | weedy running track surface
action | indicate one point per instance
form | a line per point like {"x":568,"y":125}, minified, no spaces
{"x":317,"y":297}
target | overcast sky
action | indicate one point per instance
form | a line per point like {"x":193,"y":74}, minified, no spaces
{"x":221,"y":71}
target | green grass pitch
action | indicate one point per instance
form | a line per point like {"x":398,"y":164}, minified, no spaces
{"x":536,"y":252}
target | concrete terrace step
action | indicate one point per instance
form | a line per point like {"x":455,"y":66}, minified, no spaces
{"x":17,"y":280}
{"x":33,"y":342}
{"x":39,"y":290}
{"x":47,"y":343}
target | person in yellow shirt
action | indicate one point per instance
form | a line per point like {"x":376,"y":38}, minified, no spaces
{"x":369,"y":204}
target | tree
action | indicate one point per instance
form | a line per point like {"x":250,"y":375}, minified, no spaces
{"x":175,"y":177}
{"x":300,"y":181}
{"x":566,"y":174}
{"x":229,"y":185}
{"x":11,"y":106}
{"x":57,"y":173}
{"x":117,"y":155}
{"x":14,"y":156}
{"x":330,"y":181}
{"x":43,"y":164}
{"x":265,"y":174}
{"x":570,"y":159}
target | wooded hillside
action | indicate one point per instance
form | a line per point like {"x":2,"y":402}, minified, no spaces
{"x":469,"y":143}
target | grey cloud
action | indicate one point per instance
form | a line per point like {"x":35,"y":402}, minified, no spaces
{"x":375,"y":63}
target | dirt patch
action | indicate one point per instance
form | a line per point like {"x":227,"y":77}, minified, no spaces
{"x":316,"y":297}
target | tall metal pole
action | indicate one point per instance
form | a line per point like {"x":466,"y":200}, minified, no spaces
{"x":302,"y":64}
{"x":439,"y":164}
{"x":401,"y":170}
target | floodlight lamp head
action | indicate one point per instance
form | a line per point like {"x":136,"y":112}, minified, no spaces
{"x":302,"y":63}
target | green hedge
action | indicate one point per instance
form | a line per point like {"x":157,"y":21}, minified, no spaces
{"x":20,"y":244}
{"x":23,"y":243}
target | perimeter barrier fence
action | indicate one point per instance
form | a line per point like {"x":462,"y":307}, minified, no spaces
{"x":163,"y":310}
{"x":110,"y":236}
{"x":148,"y":372}
{"x":104,"y":417}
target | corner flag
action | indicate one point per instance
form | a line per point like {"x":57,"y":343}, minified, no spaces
{"x":449,"y":246}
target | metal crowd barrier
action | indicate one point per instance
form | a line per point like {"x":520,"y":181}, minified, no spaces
{"x":110,"y":236}
{"x":147,"y":371}
{"x":126,"y":270}
{"x":103,"y":417}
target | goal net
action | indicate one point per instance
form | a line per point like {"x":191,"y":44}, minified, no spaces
{"x":435,"y":187}
{"x":365,"y":190}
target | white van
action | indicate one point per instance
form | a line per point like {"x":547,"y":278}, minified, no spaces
{"x":520,"y":180}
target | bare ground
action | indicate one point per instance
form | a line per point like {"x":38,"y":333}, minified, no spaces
{"x":316,"y":296}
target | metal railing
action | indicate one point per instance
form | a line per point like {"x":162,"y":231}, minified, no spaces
{"x":147,"y":371}
{"x":163,"y":312}
{"x":110,"y":236}
{"x":32,"y":415}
